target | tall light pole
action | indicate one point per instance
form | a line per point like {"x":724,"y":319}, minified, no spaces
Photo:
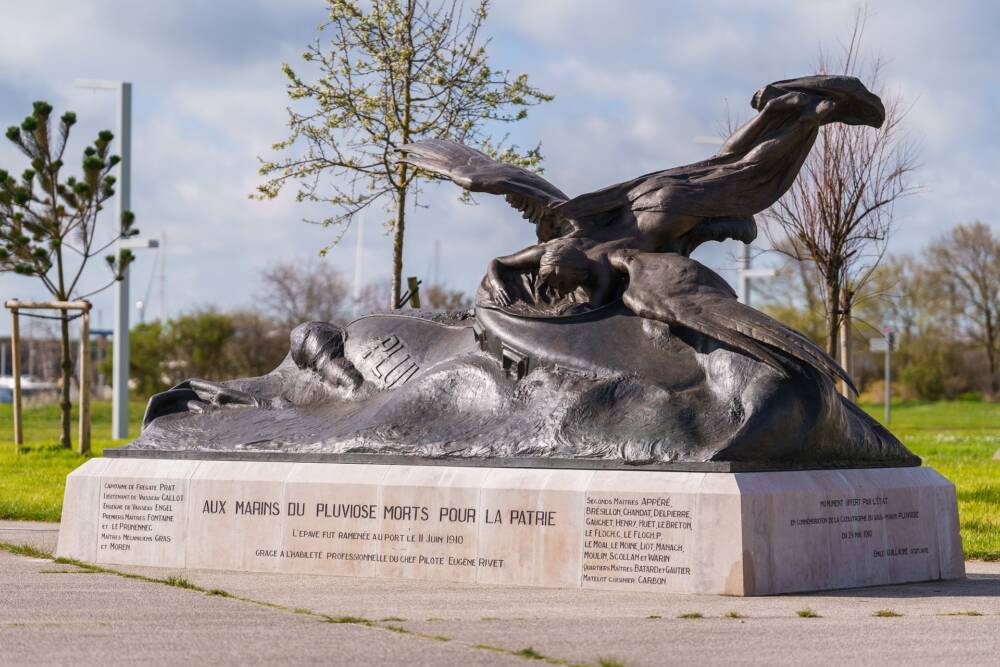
{"x":359,"y":255}
{"x":120,"y":343}
{"x":746,"y":274}
{"x":120,"y":360}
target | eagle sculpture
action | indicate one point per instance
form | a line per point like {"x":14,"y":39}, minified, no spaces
{"x":602,"y":341}
{"x":632,"y":239}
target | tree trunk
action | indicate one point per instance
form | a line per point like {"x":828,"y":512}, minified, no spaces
{"x":846,"y":357}
{"x":833,"y":319}
{"x":397,"y":241}
{"x":991,"y":356}
{"x":66,"y":375}
{"x":66,"y":366}
{"x":994,"y":381}
{"x":402,"y":185}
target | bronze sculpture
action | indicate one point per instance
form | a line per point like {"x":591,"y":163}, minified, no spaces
{"x":663,"y":212}
{"x":603,"y":341}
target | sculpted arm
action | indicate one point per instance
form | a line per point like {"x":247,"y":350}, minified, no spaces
{"x":618,"y":259}
{"x":523,"y":260}
{"x":603,"y":282}
{"x":749,"y":133}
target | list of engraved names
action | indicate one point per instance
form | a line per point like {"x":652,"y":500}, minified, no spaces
{"x":138,"y":512}
{"x":635,"y":539}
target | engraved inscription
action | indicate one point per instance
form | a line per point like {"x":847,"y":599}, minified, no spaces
{"x":423,"y":535}
{"x":391,"y":361}
{"x":138,"y":512}
{"x":635,"y":539}
{"x":864,"y":518}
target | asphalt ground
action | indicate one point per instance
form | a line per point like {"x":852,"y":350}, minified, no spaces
{"x":61,"y":613}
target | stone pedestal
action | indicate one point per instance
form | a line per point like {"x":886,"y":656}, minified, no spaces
{"x":732,"y":533}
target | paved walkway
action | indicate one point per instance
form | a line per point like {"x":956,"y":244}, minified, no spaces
{"x":53,"y":613}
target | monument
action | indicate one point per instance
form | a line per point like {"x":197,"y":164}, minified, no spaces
{"x":608,"y":416}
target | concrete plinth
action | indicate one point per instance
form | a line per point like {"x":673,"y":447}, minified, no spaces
{"x":733,"y":533}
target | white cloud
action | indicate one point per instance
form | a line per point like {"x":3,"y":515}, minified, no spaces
{"x":634,"y":83}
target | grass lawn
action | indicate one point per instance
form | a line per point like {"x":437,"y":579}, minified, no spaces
{"x":958,"y":439}
{"x":31,"y":485}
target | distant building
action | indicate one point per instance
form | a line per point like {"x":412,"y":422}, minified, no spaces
{"x":40,"y":363}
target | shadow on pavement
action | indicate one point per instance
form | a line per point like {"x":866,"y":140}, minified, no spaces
{"x":974,"y":585}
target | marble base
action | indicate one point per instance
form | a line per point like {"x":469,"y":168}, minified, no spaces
{"x":754,"y":533}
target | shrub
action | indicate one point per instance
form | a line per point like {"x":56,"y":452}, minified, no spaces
{"x":926,"y":382}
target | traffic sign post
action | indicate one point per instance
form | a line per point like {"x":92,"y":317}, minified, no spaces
{"x":886,"y":345}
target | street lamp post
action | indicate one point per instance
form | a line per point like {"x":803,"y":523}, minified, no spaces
{"x":746,"y":274}
{"x":120,"y":344}
{"x":120,"y":360}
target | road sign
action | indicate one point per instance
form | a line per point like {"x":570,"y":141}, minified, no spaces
{"x":882,"y":344}
{"x":887,"y":346}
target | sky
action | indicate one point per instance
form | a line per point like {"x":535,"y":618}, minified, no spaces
{"x":635,"y":83}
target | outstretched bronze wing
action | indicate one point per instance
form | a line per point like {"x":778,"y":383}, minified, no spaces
{"x":525,"y":190}
{"x":712,"y":188}
{"x":678,"y":290}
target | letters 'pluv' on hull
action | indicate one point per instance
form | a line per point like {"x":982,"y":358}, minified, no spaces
{"x":680,"y":532}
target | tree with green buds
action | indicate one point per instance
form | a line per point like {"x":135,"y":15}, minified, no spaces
{"x":48,"y":226}
{"x":387,"y":73}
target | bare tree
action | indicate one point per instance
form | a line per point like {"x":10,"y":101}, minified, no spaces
{"x":439,"y":298}
{"x":793,"y":296}
{"x":393,"y":72}
{"x":371,"y":298}
{"x":297,"y":292}
{"x":839,"y":213}
{"x":910,"y":294}
{"x":969,"y":259}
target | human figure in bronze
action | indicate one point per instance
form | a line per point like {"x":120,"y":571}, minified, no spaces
{"x":671,"y":210}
